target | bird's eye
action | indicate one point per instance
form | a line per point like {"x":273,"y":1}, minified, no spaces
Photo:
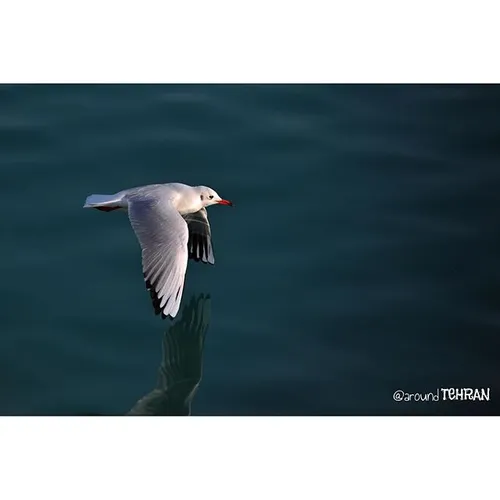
{"x":211,"y":196}
{"x":201,"y":197}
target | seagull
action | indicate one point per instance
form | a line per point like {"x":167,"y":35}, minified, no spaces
{"x":171,"y":224}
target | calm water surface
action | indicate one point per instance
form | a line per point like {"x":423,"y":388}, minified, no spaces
{"x":362,"y":255}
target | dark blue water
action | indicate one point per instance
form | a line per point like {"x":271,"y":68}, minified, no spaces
{"x":362,"y":255}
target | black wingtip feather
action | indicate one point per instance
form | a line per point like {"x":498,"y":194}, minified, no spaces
{"x":198,"y":248}
{"x":154,"y":297}
{"x":156,"y":300}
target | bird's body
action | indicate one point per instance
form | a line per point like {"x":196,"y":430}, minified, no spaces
{"x":171,"y":224}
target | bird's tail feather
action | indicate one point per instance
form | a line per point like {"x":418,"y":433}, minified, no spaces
{"x":103,"y":200}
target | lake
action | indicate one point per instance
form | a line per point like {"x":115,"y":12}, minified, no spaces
{"x":361,"y":257}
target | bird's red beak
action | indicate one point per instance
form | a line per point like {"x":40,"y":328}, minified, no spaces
{"x":225,"y":202}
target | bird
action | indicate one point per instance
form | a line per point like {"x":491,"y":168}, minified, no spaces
{"x":171,"y":224}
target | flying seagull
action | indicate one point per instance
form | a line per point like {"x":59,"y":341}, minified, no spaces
{"x":171,"y":224}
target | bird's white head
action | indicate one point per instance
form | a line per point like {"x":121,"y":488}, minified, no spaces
{"x":209,"y":197}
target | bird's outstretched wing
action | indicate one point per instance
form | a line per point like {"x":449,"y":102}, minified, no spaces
{"x":163,"y":236}
{"x":200,"y":237}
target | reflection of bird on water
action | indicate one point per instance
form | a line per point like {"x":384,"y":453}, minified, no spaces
{"x":181,"y":368}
